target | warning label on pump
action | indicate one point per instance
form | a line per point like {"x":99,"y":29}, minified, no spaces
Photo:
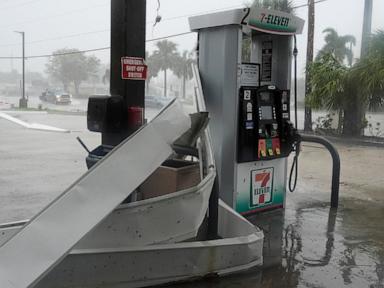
{"x":250,"y":74}
{"x":262,"y":186}
{"x":133,"y":68}
{"x":266,"y":67}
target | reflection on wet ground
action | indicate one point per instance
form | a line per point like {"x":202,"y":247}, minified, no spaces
{"x":320,"y":247}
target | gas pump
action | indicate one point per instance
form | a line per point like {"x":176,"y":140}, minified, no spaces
{"x":249,"y":102}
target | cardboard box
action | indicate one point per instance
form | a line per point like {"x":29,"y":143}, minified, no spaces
{"x":170,"y":177}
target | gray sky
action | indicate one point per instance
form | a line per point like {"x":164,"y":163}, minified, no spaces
{"x":84,"y":24}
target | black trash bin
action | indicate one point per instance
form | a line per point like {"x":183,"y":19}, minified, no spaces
{"x":97,"y":154}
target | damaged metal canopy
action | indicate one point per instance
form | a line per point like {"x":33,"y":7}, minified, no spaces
{"x":48,"y":238}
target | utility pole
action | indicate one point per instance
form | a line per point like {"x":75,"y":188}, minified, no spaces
{"x":367,"y":30}
{"x":367,"y":27}
{"x":310,"y":45}
{"x":23,"y":103}
{"x":128,"y":26}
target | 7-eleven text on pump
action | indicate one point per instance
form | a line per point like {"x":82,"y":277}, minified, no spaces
{"x":262,"y":186}
{"x":133,"y":68}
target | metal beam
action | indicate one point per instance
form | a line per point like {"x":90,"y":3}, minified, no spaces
{"x":336,"y":166}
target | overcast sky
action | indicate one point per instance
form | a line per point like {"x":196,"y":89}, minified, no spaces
{"x":85,"y":24}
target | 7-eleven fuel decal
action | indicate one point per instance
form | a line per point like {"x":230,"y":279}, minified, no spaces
{"x":261,"y":186}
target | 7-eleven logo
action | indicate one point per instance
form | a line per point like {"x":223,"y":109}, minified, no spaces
{"x":262,"y":186}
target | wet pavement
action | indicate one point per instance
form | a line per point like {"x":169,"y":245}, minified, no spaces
{"x":320,"y":247}
{"x":77,"y":105}
{"x":313,"y":246}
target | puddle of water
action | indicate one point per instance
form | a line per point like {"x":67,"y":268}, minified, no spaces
{"x":319,"y":248}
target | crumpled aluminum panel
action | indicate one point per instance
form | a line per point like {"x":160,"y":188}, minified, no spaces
{"x":48,"y":237}
{"x":240,"y":249}
{"x":168,"y":219}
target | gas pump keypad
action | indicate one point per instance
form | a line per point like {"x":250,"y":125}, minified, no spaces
{"x":263,"y":112}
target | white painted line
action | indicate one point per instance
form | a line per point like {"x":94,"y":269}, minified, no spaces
{"x":15,"y":112}
{"x":33,"y":126}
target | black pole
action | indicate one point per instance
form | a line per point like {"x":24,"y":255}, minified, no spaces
{"x":367,"y":27}
{"x":213,"y":217}
{"x":128,"y":23}
{"x":23,"y":36}
{"x":310,"y":45}
{"x":336,"y":165}
{"x":23,"y":103}
{"x":295,"y":53}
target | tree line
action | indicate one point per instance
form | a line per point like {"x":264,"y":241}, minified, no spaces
{"x":350,"y":88}
{"x":70,"y":66}
{"x":166,"y":57}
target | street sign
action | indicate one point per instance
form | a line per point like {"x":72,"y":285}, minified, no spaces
{"x":133,"y":68}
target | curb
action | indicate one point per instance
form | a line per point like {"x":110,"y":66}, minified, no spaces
{"x":366,"y":141}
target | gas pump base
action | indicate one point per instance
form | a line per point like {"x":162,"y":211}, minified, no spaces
{"x":239,"y":249}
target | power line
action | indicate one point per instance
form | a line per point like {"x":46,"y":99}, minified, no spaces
{"x":18,"y":5}
{"x":201,"y":13}
{"x":56,"y":15}
{"x":107,"y":30}
{"x":103,"y":5}
{"x":170,"y":36}
{"x":95,"y":49}
{"x":305,"y":5}
{"x":59,"y":38}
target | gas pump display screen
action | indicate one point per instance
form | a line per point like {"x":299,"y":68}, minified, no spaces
{"x":265,"y":97}
{"x":266,"y":113}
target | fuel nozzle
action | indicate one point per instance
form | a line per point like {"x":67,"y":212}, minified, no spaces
{"x":292,"y":136}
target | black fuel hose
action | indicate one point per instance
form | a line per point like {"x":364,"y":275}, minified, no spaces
{"x":292,"y":183}
{"x":295,"y":165}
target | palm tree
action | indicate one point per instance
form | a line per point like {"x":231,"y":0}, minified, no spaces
{"x":165,"y":56}
{"x":281,"y":5}
{"x":153,"y":68}
{"x":370,"y":70}
{"x":350,"y":89}
{"x":335,"y":89}
{"x":328,"y":77}
{"x":183,"y":69}
{"x":339,"y":46}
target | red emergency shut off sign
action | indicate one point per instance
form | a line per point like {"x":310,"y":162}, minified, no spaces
{"x":133,"y":68}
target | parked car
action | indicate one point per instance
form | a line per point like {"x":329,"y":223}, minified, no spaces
{"x":56,"y":96}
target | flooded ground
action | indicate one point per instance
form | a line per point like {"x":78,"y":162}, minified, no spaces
{"x":77,"y":105}
{"x":318,"y":247}
{"x":323,"y":247}
{"x":80,"y":105}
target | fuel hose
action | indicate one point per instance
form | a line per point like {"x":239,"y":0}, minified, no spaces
{"x":292,"y":183}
